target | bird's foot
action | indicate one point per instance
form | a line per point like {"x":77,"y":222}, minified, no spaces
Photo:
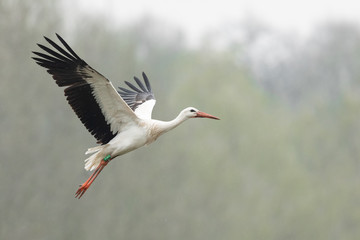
{"x":82,"y":189}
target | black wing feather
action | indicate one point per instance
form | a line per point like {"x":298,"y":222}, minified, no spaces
{"x":136,"y":97}
{"x":139,"y":83}
{"x":133,"y":87}
{"x":67,"y":46}
{"x":65,"y":67}
{"x":147,"y":82}
{"x":61,"y":50}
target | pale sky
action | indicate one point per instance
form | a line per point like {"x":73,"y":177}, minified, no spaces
{"x":196,"y":17}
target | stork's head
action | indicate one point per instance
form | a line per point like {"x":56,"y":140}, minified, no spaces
{"x":192,"y":112}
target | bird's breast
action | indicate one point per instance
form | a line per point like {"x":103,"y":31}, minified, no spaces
{"x":154,"y":131}
{"x":128,"y":140}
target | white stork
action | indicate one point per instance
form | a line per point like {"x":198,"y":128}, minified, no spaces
{"x":120,"y":121}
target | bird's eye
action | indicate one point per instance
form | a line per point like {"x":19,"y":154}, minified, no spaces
{"x":192,"y":110}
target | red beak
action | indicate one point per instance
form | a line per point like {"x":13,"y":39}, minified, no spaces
{"x":205,"y":115}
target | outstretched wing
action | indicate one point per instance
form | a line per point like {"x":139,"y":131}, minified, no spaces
{"x":141,"y":101}
{"x":92,"y":97}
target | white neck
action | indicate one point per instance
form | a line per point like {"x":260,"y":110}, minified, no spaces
{"x":164,"y":126}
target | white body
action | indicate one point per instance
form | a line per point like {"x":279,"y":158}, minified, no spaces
{"x":137,"y":134}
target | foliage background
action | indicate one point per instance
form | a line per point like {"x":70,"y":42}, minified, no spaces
{"x":283,"y":163}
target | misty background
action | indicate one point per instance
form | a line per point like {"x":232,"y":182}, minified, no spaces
{"x":283,"y":162}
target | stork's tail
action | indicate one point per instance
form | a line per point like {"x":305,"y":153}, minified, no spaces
{"x":94,"y":160}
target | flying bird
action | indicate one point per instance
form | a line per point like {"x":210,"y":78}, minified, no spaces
{"x":119,"y":120}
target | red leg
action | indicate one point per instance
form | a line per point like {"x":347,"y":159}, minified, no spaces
{"x":82,"y":189}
